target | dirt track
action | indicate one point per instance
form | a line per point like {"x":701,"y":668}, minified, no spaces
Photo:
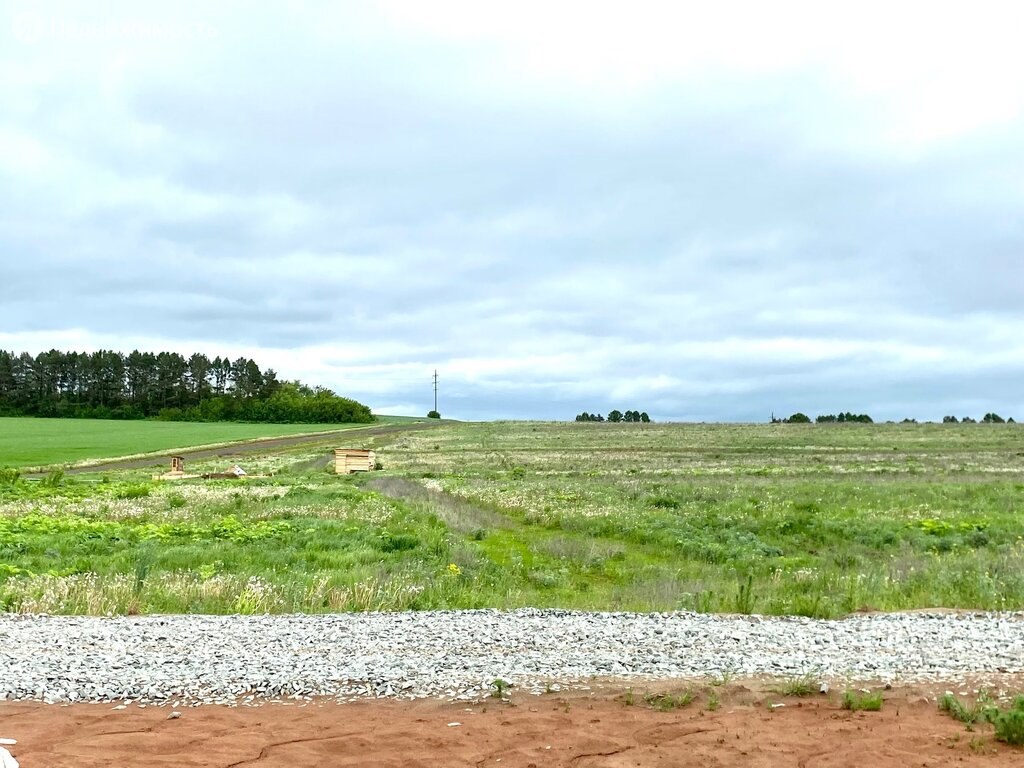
{"x":252,"y":446}
{"x":537,"y":731}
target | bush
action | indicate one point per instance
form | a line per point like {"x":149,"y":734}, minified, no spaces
{"x":799,"y":418}
{"x":433,"y":415}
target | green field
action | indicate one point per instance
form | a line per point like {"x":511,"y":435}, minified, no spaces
{"x":815,"y":520}
{"x":29,"y":442}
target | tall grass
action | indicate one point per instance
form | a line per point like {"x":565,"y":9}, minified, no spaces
{"x":817,"y":522}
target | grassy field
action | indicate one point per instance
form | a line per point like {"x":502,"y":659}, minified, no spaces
{"x":816,"y":520}
{"x":27,"y":442}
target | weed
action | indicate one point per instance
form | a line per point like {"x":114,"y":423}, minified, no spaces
{"x":801,"y":685}
{"x":862,"y":702}
{"x":745,"y":596}
{"x":54,"y":479}
{"x":713,"y":701}
{"x":1010,"y":724}
{"x":133,"y":492}
{"x":176,"y":501}
{"x":143,"y":565}
{"x":628,"y":699}
{"x":499,"y":686}
{"x":664,"y":502}
{"x":665,"y":702}
{"x":982,"y":711}
{"x":722,"y":677}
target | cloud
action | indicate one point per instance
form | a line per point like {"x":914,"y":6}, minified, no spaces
{"x":702,"y":212}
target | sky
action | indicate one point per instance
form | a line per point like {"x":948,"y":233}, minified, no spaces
{"x":706,"y":211}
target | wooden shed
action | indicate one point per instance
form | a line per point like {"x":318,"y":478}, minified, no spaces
{"x":348,"y":460}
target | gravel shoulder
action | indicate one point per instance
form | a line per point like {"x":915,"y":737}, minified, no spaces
{"x":455,"y":655}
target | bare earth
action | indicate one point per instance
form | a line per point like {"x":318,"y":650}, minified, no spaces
{"x":551,"y":730}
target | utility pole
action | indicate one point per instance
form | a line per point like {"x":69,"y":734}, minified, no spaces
{"x":435,"y":391}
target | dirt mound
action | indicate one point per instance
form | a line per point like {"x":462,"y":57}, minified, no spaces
{"x":549,"y":730}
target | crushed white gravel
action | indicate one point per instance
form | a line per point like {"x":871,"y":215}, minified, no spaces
{"x":190,"y":660}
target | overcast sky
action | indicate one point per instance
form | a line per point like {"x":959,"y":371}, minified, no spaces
{"x":709,"y":211}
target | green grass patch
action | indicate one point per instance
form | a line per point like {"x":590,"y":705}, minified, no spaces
{"x":862,"y":702}
{"x":595,"y":517}
{"x":30,"y":442}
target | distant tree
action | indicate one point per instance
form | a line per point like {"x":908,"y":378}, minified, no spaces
{"x":615,"y":415}
{"x":967,"y":420}
{"x":433,"y":415}
{"x":845,"y":417}
{"x":165,"y":385}
{"x":950,"y":420}
{"x":993,"y":418}
{"x":647,"y":419}
{"x":799,"y":418}
{"x":909,"y":421}
{"x":1010,"y":420}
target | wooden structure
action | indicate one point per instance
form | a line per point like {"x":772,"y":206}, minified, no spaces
{"x":349,"y":460}
{"x":177,"y":471}
{"x":235,"y":473}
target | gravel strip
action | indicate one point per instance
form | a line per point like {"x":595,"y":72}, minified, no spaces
{"x":456,"y":654}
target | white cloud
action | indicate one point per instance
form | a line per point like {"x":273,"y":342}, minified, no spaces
{"x":710,"y":210}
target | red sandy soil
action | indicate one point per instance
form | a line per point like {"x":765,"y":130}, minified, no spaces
{"x":551,"y":730}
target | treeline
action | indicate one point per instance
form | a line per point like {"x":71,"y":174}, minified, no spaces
{"x":165,"y":385}
{"x":616,"y":416}
{"x":863,"y":418}
{"x":829,"y":418}
{"x":988,"y":418}
{"x":844,"y":418}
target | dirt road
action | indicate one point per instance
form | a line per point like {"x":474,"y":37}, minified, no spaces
{"x":252,"y":446}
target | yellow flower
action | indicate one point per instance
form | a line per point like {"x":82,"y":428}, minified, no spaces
{"x":453,"y":568}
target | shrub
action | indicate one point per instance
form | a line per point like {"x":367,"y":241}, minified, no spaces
{"x":1010,"y":726}
{"x":433,"y":415}
{"x":133,"y":492}
{"x":53,"y":480}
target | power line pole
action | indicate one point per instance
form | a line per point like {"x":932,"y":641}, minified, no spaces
{"x":435,"y":391}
